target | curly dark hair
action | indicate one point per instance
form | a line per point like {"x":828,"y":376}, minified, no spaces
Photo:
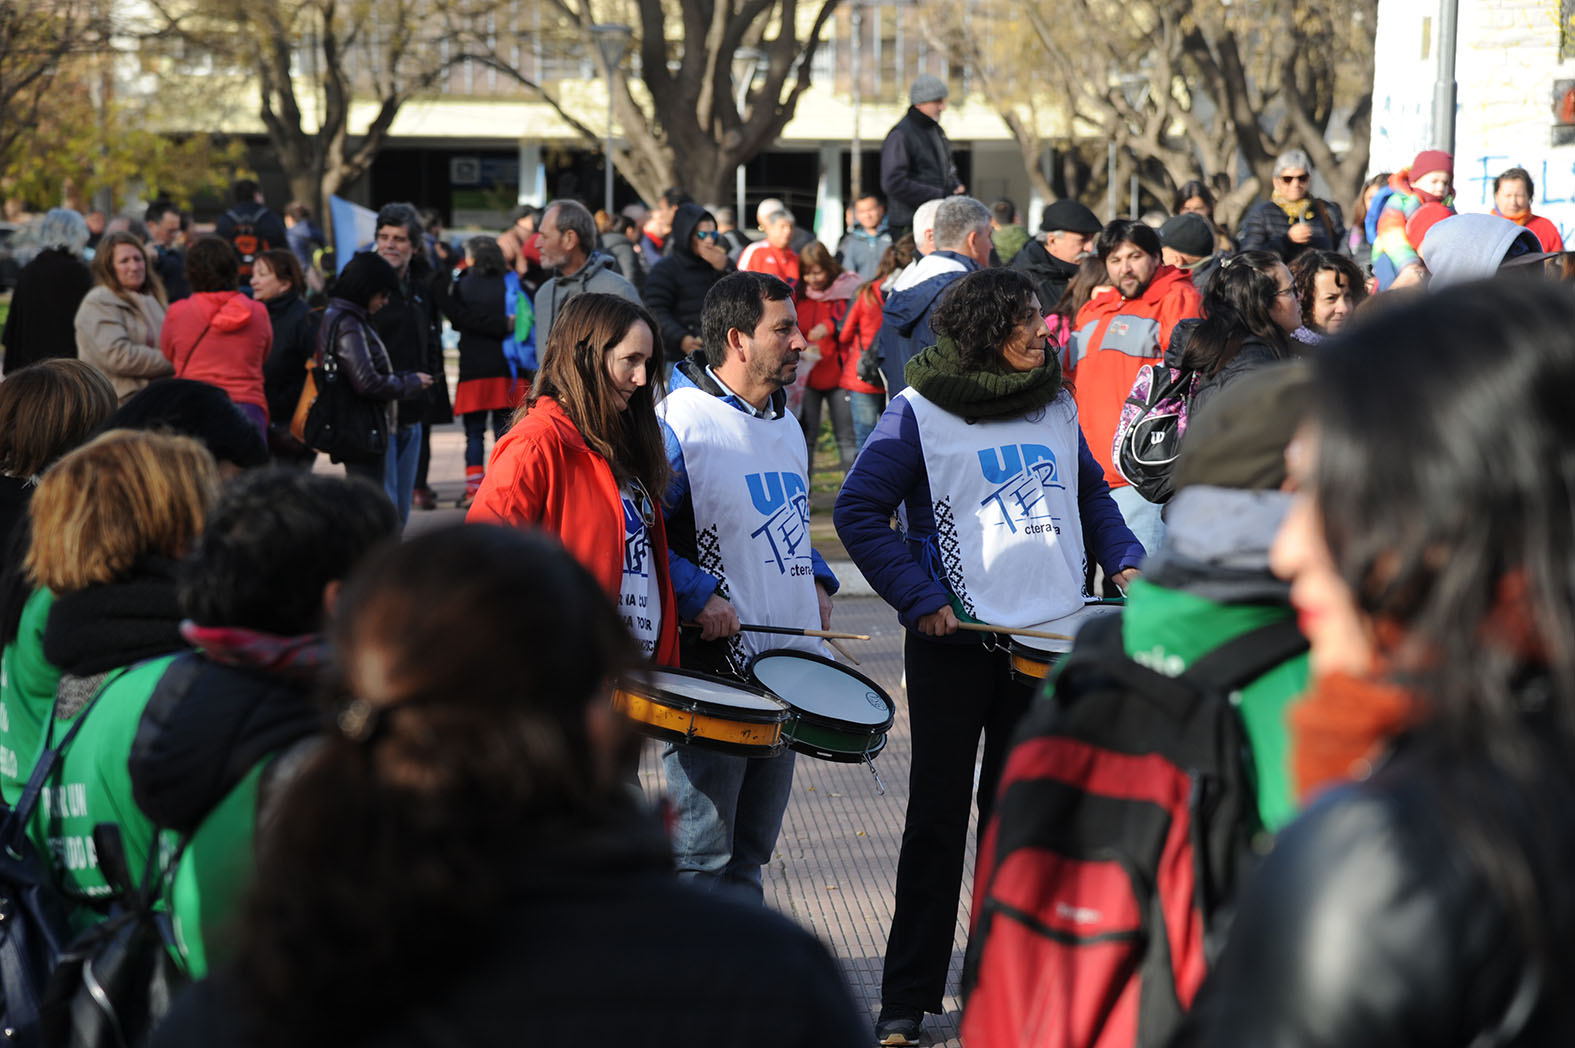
{"x":1304,"y":273}
{"x":980,"y":311}
{"x":212,"y":265}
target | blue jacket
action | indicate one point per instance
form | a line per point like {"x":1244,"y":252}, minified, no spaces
{"x":905,"y":321}
{"x":906,"y":569}
{"x":692,"y":585}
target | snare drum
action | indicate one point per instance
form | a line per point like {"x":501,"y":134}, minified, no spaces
{"x":698,"y":709}
{"x":838,"y":714}
{"x":1033,"y":657}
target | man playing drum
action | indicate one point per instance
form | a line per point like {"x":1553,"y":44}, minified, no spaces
{"x":738,"y":529}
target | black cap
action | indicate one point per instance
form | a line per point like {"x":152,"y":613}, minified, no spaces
{"x":1070,"y":216}
{"x":1190,"y":234}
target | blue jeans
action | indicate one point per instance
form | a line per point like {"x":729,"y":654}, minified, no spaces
{"x":1142,"y":516}
{"x":476,"y":434}
{"x":399,"y":471}
{"x":729,"y":810}
{"x":867,"y":408}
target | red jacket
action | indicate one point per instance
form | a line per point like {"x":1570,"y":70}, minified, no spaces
{"x":858,"y":332}
{"x":543,"y":475}
{"x":830,"y":309}
{"x":1115,"y":337}
{"x":761,"y":257}
{"x":230,"y":354}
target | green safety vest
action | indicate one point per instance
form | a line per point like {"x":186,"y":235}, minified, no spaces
{"x":27,"y":695}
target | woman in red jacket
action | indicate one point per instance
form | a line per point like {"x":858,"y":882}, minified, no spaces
{"x":584,"y":460}
{"x":822,"y":297}
{"x":861,"y":377}
{"x":218,"y":335}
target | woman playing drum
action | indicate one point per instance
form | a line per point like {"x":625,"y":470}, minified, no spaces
{"x":1003,"y":503}
{"x":584,"y":457}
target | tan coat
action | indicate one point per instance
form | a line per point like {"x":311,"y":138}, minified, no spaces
{"x":122,"y":339}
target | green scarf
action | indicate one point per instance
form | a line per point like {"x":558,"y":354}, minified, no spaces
{"x":991,"y":392}
{"x":1295,"y":210}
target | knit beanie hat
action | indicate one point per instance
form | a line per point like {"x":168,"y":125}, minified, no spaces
{"x":927,"y":88}
{"x":1238,"y":440}
{"x":197,"y":410}
{"x":1189,"y":233}
{"x":1432,"y":160}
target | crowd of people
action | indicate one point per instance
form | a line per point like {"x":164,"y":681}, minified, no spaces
{"x":382,"y":792}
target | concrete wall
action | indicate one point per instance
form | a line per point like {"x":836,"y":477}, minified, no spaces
{"x":1507,"y":67}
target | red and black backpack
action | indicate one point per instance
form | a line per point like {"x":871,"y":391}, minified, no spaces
{"x":1125,"y":821}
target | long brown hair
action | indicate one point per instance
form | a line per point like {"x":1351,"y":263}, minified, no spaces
{"x":399,"y":848}
{"x":574,"y":373}
{"x":892,"y":259}
{"x":104,"y":268}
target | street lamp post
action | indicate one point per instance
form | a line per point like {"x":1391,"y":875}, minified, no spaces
{"x":612,"y":39}
{"x":856,"y":161}
{"x":746,"y":63}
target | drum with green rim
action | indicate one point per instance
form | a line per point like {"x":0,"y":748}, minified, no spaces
{"x":838,"y":714}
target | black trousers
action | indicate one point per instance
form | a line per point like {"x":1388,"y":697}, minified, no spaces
{"x":955,"y":693}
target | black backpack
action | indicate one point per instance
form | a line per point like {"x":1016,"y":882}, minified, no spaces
{"x":1153,"y":421}
{"x":1125,"y":820}
{"x":247,"y":240}
{"x":34,"y":928}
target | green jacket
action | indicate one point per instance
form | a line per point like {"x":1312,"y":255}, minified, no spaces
{"x":27,"y":694}
{"x":1206,"y":585}
{"x":1008,"y":241}
{"x":214,"y":873}
{"x":91,"y":785}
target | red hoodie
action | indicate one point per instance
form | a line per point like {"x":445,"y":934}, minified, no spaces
{"x":221,"y":338}
{"x":1115,"y":337}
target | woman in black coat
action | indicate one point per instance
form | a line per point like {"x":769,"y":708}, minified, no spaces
{"x":48,"y":291}
{"x":477,"y":306}
{"x":676,"y":287}
{"x":277,"y":281}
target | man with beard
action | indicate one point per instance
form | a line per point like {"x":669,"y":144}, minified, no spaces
{"x":1066,"y":236}
{"x":1116,"y":334}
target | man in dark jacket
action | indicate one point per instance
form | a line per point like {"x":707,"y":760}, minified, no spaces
{"x":676,"y":287}
{"x":1066,"y":236}
{"x":250,"y":228}
{"x":409,"y":326}
{"x":916,"y":159}
{"x":169,"y":262}
{"x":962,"y":245}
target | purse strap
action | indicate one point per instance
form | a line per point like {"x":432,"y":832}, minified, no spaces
{"x":17,"y":817}
{"x":187,"y":358}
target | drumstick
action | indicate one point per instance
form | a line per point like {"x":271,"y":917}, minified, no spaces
{"x":844,"y":652}
{"x":795,"y":631}
{"x":985,"y":627}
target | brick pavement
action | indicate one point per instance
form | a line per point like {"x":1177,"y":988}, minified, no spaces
{"x":836,"y":860}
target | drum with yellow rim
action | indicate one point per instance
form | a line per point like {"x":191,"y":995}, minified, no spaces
{"x":699,"y":709}
{"x":1033,"y":657}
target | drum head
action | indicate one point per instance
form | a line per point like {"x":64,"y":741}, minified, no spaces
{"x":816,"y":686}
{"x":702,"y":691}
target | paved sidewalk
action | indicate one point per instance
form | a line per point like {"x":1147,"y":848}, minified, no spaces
{"x":836,"y":860}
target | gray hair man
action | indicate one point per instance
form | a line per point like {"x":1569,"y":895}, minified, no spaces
{"x":568,"y":247}
{"x":962,"y":245}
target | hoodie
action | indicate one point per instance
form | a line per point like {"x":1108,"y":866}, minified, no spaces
{"x":1392,"y":249}
{"x":676,"y":286}
{"x":600,"y":274}
{"x":221,"y":338}
{"x":905,"y":324}
{"x":1462,"y":248}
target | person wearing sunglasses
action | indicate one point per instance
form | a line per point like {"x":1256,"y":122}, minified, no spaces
{"x":676,"y":287}
{"x":1292,"y":219}
{"x":584,"y":461}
